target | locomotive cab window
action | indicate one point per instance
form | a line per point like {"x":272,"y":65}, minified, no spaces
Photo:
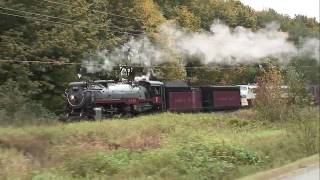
{"x":156,"y":91}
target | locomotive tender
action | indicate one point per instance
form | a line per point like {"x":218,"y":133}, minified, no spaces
{"x":106,"y":98}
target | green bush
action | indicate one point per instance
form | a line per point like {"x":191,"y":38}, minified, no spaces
{"x":215,"y":160}
{"x":156,"y":164}
{"x":306,"y":130}
{"x":16,"y":108}
{"x":96,"y":163}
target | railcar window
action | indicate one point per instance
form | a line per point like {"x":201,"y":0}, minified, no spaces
{"x":243,"y":88}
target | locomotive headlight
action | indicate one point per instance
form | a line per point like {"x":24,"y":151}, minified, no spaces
{"x":72,"y":97}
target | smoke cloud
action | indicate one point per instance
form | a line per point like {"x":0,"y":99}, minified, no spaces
{"x":232,"y":46}
{"x":136,"y":51}
{"x":222,"y":45}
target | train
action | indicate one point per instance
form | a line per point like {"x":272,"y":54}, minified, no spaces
{"x":106,"y":98}
{"x":101,"y":99}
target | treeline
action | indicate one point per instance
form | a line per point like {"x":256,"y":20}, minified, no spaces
{"x":69,"y":31}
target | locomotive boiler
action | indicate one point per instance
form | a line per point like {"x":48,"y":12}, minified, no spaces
{"x":105,"y":98}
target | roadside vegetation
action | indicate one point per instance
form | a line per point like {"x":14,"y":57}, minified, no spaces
{"x":162,"y":146}
{"x":219,"y":145}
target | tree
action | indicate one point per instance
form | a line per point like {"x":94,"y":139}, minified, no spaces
{"x":172,"y":69}
{"x":269,"y":101}
{"x":268,"y":16}
{"x":149,"y":14}
{"x":186,"y":19}
{"x":35,"y":40}
{"x":308,"y":68}
{"x":297,"y":94}
{"x":244,"y":74}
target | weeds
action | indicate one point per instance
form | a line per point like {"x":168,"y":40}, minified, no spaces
{"x":162,"y":146}
{"x":14,"y":165}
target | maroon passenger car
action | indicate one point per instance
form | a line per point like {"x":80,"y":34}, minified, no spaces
{"x":220,"y":97}
{"x":181,"y":97}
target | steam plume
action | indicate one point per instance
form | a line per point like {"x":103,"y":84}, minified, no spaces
{"x":227,"y":46}
{"x":221,"y":45}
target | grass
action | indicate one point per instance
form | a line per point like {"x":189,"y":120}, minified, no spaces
{"x":285,"y":170}
{"x":160,"y":146}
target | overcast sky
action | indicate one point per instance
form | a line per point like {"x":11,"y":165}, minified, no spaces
{"x":309,"y":8}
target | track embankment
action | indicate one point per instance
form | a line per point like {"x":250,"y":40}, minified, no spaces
{"x":306,"y":167}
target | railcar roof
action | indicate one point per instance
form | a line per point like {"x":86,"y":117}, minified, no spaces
{"x":104,"y":81}
{"x":77,"y":83}
{"x":248,"y":86}
{"x":174,"y":84}
{"x":219,"y":87}
{"x":155,"y":83}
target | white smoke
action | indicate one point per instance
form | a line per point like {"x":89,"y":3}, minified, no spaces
{"x":136,"y":51}
{"x":221,"y":45}
{"x":231,"y":46}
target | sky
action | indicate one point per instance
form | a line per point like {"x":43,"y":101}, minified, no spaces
{"x":309,"y":8}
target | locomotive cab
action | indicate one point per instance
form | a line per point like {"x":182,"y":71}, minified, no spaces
{"x":157,"y":93}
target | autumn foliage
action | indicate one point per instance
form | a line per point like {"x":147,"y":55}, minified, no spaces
{"x":270,"y":102}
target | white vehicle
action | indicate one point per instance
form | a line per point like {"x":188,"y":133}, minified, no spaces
{"x":247,"y":93}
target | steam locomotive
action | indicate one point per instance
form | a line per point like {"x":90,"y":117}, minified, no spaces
{"x":105,"y":98}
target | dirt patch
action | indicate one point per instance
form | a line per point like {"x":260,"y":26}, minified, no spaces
{"x":146,"y":139}
{"x":14,"y":165}
{"x":30,"y":146}
{"x":98,"y":144}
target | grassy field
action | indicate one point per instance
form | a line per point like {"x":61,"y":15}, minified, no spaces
{"x":160,"y":146}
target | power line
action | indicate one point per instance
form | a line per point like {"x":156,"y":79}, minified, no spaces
{"x":33,"y":18}
{"x":68,"y":20}
{"x":55,"y":22}
{"x":60,"y":23}
{"x":40,"y":62}
{"x":58,"y":62}
{"x":101,"y":12}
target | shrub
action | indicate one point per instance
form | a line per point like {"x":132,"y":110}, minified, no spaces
{"x":270,"y":103}
{"x":17,"y":109}
{"x":215,"y":161}
{"x":306,"y":130}
{"x":297,"y":93}
{"x":90,"y":164}
{"x":156,"y":164}
{"x":11,"y":98}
